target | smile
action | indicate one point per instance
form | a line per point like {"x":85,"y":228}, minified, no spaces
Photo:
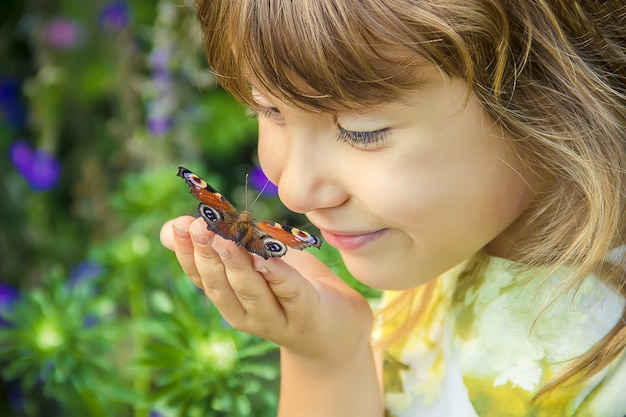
{"x":351,"y":240}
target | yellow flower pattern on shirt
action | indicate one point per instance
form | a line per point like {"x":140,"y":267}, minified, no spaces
{"x":490,"y":340}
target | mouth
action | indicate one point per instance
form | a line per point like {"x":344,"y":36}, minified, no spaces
{"x":344,"y":240}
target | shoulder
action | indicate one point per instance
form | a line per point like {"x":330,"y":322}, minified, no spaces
{"x":494,"y":334}
{"x":603,"y":395}
{"x":516,"y":329}
{"x":534,"y":306}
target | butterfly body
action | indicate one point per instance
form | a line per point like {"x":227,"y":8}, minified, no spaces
{"x":262,"y":237}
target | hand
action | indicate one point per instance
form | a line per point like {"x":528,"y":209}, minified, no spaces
{"x":294,"y":301}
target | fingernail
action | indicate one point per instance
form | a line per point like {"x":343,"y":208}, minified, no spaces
{"x":259,"y":265}
{"x":180,"y":232}
{"x":223,"y":253}
{"x":202,"y":240}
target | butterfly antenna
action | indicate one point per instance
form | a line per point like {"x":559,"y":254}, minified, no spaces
{"x":246,"y":192}
{"x":267,"y":181}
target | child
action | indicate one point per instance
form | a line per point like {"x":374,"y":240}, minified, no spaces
{"x":468,"y":157}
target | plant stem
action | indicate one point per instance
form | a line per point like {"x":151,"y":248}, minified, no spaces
{"x":138,"y":312}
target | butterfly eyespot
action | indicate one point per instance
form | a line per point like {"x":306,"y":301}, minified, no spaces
{"x":208,"y":214}
{"x":274,"y":246}
{"x":196,"y":180}
{"x":304,"y":236}
{"x":265,"y":238}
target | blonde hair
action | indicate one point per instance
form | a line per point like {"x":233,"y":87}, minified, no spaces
{"x":551,"y":72}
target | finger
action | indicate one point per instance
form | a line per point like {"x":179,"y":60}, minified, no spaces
{"x":183,"y":247}
{"x":166,"y":235}
{"x":304,"y":283}
{"x":203,"y":259}
{"x":262,"y":310}
{"x":211,"y":272}
{"x":311,"y":267}
{"x":295,"y":293}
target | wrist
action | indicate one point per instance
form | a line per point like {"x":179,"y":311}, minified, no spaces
{"x":316,"y":386}
{"x":321,"y":363}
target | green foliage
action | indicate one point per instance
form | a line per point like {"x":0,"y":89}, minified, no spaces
{"x":61,"y":338}
{"x":137,"y":337}
{"x":200,"y":365}
{"x":100,"y":102}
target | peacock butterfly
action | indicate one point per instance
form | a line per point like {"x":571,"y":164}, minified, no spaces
{"x":265,"y":238}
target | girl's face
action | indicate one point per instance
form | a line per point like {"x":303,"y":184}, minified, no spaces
{"x":405,"y":190}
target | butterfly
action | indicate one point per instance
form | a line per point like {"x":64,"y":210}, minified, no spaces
{"x":263,"y":237}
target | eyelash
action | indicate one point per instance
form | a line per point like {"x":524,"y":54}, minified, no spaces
{"x":352,"y":138}
{"x":363,"y":139}
{"x":269,"y":112}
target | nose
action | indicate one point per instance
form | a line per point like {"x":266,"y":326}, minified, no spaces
{"x":306,"y":173}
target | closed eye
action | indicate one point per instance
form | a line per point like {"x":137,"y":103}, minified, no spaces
{"x":363,"y":139}
{"x":263,"y":111}
{"x":357,"y":139}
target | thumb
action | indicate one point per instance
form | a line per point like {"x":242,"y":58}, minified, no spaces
{"x":312,"y":269}
{"x":306,"y":263}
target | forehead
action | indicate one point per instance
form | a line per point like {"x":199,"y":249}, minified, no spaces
{"x":305,"y":90}
{"x":322,"y":54}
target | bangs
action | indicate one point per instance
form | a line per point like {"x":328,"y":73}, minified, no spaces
{"x":322,"y":54}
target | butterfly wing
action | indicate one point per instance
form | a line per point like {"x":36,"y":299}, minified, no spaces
{"x":216,"y":211}
{"x":265,"y":238}
{"x":204,"y":193}
{"x":274,"y":238}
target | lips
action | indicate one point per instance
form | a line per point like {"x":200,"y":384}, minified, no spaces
{"x":351,"y":240}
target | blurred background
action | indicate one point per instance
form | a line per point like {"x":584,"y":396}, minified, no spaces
{"x":100,"y":102}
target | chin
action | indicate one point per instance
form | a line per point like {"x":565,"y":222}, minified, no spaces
{"x":378,"y":276}
{"x":388,"y":276}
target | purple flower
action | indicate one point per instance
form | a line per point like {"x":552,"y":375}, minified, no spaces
{"x":160,"y":59}
{"x":159,"y":116}
{"x":260,"y":182}
{"x":159,"y":111}
{"x":114,"y":16}
{"x":62,"y":33}
{"x":159,"y":125}
{"x":90,"y":321}
{"x":39,"y":168}
{"x":12,"y":109}
{"x":162,"y":81}
{"x":16,"y":397}
{"x":85,"y":271}
{"x":8,"y":296}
